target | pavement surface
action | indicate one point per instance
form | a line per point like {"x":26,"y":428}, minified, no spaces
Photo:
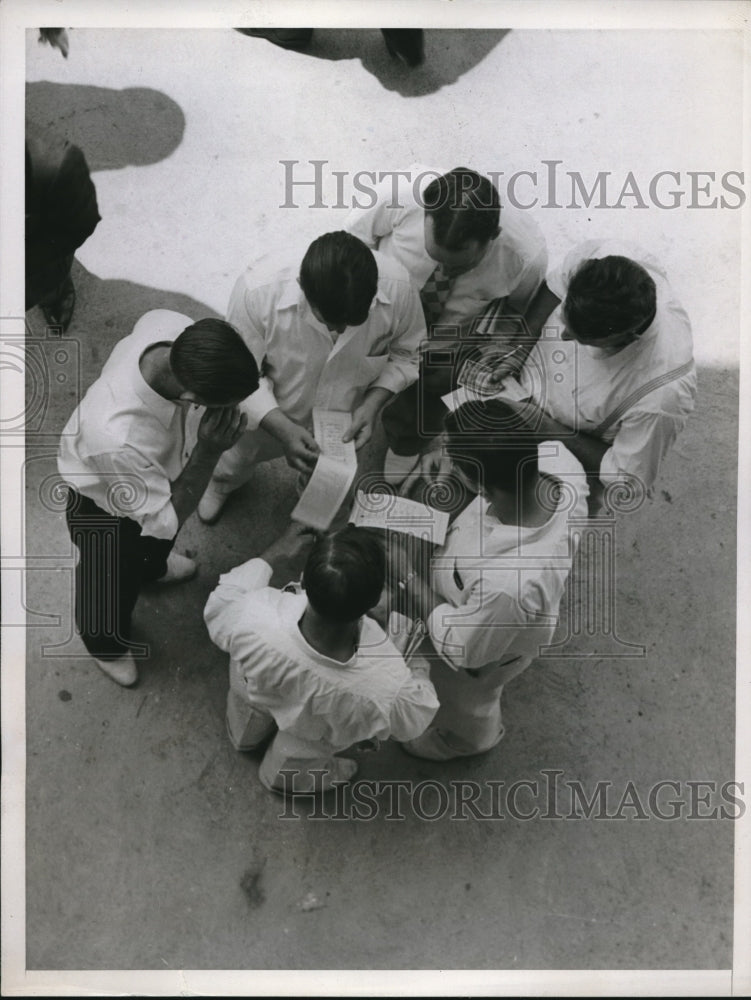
{"x":150,"y":842}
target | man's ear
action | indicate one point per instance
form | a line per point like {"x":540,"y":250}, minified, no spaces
{"x":187,"y":396}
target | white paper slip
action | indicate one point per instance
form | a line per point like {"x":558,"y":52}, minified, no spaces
{"x":329,"y":427}
{"x":326,"y":491}
{"x":382,"y":510}
{"x":508,"y":389}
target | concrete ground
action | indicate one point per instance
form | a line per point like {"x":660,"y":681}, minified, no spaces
{"x":150,"y":843}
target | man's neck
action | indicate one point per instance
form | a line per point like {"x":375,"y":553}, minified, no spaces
{"x":523,"y":508}
{"x":337,"y":641}
{"x":157,"y":373}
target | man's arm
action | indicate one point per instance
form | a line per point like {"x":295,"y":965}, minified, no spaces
{"x":522,"y":341}
{"x":219,"y":429}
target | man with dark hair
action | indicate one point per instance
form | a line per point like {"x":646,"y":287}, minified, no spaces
{"x":613,"y":378}
{"x":469,"y":259}
{"x":136,"y":455}
{"x":490,"y":599}
{"x":311,"y":662}
{"x":340,"y":331}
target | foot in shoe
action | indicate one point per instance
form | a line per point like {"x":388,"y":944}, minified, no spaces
{"x":212,"y":504}
{"x":179,"y":568}
{"x":122,"y":671}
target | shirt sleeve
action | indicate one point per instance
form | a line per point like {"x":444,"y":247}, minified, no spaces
{"x":409,"y":332}
{"x":413,"y":708}
{"x":371,"y":224}
{"x":478,"y":632}
{"x":243,"y":313}
{"x":221,"y":613}
{"x":641,"y":443}
{"x":132,"y":487}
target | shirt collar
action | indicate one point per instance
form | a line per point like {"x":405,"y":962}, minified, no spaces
{"x":163,"y":409}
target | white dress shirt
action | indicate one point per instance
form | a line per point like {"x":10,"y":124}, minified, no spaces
{"x":502,"y":584}
{"x":305,"y":365}
{"x":514,"y":266}
{"x":373,"y":695}
{"x":125,"y":444}
{"x":581,"y":385}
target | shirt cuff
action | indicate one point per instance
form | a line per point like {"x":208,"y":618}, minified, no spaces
{"x":258,"y":404}
{"x":255,"y":574}
{"x":162,"y":524}
{"x":396,"y":378}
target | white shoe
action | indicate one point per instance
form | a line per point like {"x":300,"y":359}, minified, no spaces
{"x":179,"y":568}
{"x":212,"y":502}
{"x":122,"y":671}
{"x":396,"y":468}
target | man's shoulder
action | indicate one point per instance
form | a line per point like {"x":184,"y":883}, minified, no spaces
{"x":271,"y":281}
{"x":391,"y":273}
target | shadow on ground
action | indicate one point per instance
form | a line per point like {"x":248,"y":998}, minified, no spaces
{"x":449,"y":54}
{"x":115,"y":128}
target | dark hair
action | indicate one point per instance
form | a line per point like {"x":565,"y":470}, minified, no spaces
{"x":339,"y":277}
{"x":344,"y":574}
{"x":609,"y":295}
{"x":490,"y":442}
{"x":211,"y":359}
{"x":464,"y":206}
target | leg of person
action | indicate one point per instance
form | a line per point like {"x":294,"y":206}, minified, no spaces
{"x":469,"y":719}
{"x":302,"y":767}
{"x":234,"y":469}
{"x":247,"y":726}
{"x":108,"y":579}
{"x":58,"y":304}
{"x":410,"y":422}
{"x":405,"y":44}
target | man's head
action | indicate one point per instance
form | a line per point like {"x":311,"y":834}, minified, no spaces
{"x":491,"y":447}
{"x":213,"y":365}
{"x":609,"y":303}
{"x":339,"y":278}
{"x":344,"y":574}
{"x":462,"y":212}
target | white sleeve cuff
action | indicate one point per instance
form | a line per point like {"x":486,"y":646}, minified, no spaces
{"x":258,"y":404}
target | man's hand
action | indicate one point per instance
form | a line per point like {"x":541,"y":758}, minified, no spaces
{"x":221,"y":428}
{"x":291,"y":544}
{"x":362,"y":426}
{"x":300,"y":448}
{"x":503,"y":361}
{"x":364,"y":416}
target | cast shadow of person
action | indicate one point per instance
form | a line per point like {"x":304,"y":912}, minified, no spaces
{"x":449,"y":54}
{"x":136,"y":126}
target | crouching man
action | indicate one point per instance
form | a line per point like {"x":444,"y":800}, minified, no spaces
{"x":137,"y":454}
{"x":311,"y":662}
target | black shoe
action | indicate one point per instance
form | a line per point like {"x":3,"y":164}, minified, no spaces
{"x":405,"y":44}
{"x":286,"y":38}
{"x":59,"y":311}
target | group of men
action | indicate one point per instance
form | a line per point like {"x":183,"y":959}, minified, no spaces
{"x":433,"y":312}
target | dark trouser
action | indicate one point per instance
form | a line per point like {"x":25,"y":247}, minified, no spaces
{"x":415,"y":417}
{"x":116,"y":560}
{"x":45,"y":284}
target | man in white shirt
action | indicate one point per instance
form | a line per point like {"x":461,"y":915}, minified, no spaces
{"x":611,"y":374}
{"x":491,"y":597}
{"x":341,"y":331}
{"x":312,"y":663}
{"x":136,"y":455}
{"x":466,"y":256}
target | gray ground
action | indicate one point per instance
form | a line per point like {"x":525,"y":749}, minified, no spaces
{"x":150,"y":843}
